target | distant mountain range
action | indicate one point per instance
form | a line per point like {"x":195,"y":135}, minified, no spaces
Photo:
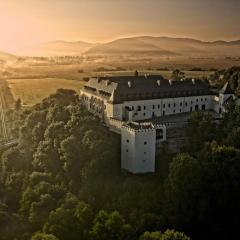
{"x":166,"y":46}
{"x":139,"y":46}
{"x":57,"y":48}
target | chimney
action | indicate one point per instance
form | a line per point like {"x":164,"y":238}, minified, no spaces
{"x":108,"y":82}
{"x":136,"y":73}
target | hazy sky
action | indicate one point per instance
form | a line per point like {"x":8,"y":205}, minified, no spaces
{"x":27,"y":22}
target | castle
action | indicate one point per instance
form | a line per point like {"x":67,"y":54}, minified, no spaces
{"x":135,"y":106}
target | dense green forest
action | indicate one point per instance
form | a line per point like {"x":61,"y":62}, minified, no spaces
{"x":63,"y":180}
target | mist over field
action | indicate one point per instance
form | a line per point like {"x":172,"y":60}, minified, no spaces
{"x":50,"y":65}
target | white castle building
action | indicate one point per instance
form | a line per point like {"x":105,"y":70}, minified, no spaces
{"x":133,"y":106}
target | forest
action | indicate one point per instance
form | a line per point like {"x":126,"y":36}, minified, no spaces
{"x":63,"y":180}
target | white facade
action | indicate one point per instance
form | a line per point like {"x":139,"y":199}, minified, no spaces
{"x":147,"y":109}
{"x":139,"y":140}
{"x":138,"y":150}
{"x":138,"y":146}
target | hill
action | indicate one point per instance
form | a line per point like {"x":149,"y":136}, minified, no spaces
{"x":139,"y":46}
{"x":57,"y":48}
{"x":166,"y":46}
{"x":129,"y":46}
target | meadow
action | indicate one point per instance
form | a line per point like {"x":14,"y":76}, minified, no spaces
{"x":32,"y":91}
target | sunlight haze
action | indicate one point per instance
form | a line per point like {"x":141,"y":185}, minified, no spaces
{"x":27,"y":22}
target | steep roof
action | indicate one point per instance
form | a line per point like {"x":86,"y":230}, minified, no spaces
{"x":227,"y":89}
{"x":132,"y":88}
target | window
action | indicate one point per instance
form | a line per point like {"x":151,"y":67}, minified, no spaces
{"x":144,"y":107}
{"x":169,"y":105}
{"x":197,"y":99}
{"x":144,"y":114}
{"x":139,"y":108}
{"x":127,"y":150}
{"x":158,"y":106}
{"x":145,"y":143}
{"x":180,"y":110}
{"x":185,"y":103}
{"x":153,"y":106}
{"x":174,"y":104}
{"x":132,"y":107}
{"x":164,"y":105}
{"x":145,"y":153}
{"x":174,"y":111}
{"x":180,"y":103}
{"x":201,"y":99}
{"x":159,"y":134}
{"x":127,"y":141}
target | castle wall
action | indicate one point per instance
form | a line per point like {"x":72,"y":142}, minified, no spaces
{"x":146,"y":109}
{"x":138,"y":150}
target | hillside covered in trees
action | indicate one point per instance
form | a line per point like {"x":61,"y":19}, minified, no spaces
{"x":231,"y":75}
{"x":63,"y":180}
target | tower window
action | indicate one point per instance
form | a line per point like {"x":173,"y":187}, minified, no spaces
{"x":145,"y":143}
{"x":127,"y":141}
{"x":153,"y":106}
{"x":144,"y":107}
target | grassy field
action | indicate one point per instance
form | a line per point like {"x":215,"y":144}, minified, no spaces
{"x":32,"y":91}
{"x":31,"y":83}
